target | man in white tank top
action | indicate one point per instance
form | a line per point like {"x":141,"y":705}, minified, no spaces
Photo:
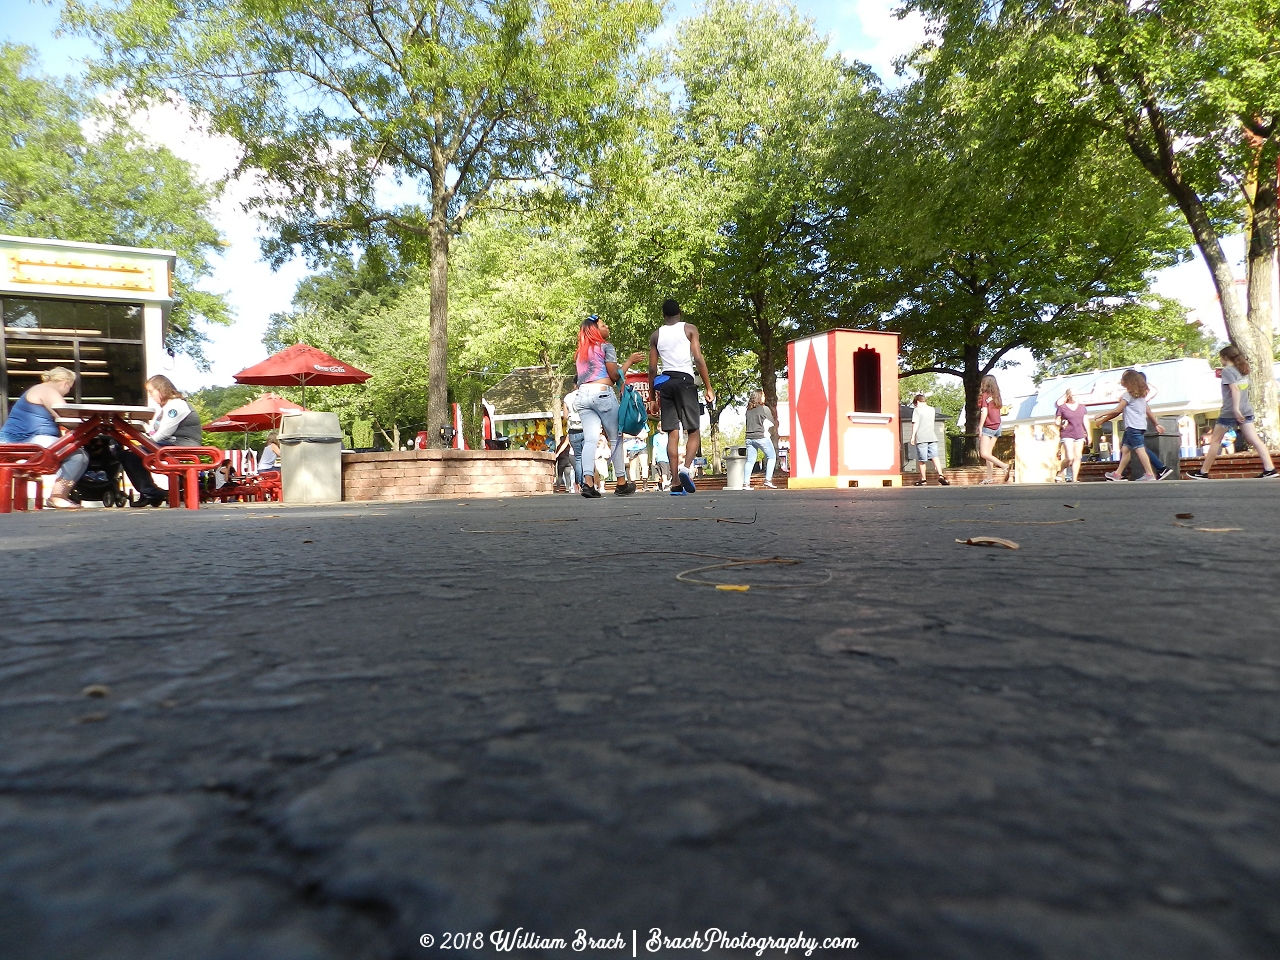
{"x":673,"y":392}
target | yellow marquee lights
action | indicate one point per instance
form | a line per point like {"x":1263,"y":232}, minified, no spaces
{"x":100,"y":273}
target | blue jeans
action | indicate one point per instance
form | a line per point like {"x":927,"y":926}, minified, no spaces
{"x":765,"y":446}
{"x":73,"y":467}
{"x":576,"y":441}
{"x":598,"y":408}
{"x":1133,"y":439}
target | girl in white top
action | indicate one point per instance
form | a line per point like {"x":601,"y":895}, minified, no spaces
{"x":1133,"y":406}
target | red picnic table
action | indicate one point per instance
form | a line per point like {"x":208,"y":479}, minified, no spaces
{"x":22,"y":462}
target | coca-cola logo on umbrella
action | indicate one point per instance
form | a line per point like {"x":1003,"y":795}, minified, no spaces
{"x":324,"y":369}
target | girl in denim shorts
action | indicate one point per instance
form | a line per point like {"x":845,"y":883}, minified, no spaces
{"x":1236,"y":413}
{"x":989,"y":405}
{"x":1133,"y":406}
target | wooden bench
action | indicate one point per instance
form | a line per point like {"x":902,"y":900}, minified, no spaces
{"x":20,"y":464}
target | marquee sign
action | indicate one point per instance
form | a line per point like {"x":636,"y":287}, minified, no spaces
{"x":56,"y":268}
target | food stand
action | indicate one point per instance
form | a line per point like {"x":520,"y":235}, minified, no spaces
{"x":96,"y":309}
{"x":523,"y":405}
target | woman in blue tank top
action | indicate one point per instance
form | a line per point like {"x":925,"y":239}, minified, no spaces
{"x":32,"y":421}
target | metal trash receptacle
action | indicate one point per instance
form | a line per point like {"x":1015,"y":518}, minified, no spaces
{"x":311,"y":458}
{"x":735,"y":468}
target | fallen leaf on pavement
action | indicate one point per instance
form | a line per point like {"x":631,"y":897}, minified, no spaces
{"x":990,"y":542}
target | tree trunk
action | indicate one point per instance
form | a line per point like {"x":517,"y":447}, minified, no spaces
{"x":1160,"y":158}
{"x":557,"y":411}
{"x":768,"y":358}
{"x":769,"y":378}
{"x":438,"y":351}
{"x":972,"y":380}
{"x":1261,"y":267}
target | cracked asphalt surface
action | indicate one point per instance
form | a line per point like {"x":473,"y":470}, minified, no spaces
{"x":327,"y":731}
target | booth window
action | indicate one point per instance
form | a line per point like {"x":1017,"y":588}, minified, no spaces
{"x":866,"y":381}
{"x":101,"y":342}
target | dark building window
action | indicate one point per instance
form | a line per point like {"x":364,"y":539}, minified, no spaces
{"x":101,"y":342}
{"x":866,"y":381}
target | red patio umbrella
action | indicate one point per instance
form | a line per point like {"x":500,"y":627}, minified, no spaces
{"x":261,"y":414}
{"x":301,"y":365}
{"x":264,"y":413}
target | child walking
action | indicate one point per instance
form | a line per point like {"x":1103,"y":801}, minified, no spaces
{"x":1236,"y":413}
{"x":989,"y":404}
{"x":1133,"y":406}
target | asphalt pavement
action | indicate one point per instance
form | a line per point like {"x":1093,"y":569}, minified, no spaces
{"x":295,"y":733}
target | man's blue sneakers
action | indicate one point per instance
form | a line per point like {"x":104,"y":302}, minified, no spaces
{"x":686,"y":481}
{"x":679,"y":492}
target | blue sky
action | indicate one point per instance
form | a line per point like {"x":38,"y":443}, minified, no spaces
{"x":865,"y":30}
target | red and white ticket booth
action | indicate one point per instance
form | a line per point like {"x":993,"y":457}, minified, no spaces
{"x":843,"y":391}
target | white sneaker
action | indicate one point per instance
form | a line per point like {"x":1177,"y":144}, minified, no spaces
{"x":770,"y":485}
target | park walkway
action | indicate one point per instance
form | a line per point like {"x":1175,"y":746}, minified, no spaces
{"x":275,"y":733}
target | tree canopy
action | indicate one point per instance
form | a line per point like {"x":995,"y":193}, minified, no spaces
{"x":993,"y":231}
{"x":387,"y":121}
{"x":1191,"y":90}
{"x":734,"y":214}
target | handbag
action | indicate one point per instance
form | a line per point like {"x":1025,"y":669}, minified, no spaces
{"x":632,"y":416}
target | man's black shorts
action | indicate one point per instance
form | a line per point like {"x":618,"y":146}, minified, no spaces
{"x":678,"y":400}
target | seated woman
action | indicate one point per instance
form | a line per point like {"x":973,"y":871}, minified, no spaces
{"x":270,"y":453}
{"x":224,"y":473}
{"x":32,"y":420}
{"x":175,"y":425}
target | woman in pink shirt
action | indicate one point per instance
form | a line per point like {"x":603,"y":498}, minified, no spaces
{"x":1071,"y":417}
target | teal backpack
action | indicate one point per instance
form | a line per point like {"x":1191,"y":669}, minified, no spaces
{"x":632,"y":417}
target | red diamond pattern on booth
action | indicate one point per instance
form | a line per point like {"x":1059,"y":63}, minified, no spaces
{"x":812,"y":412}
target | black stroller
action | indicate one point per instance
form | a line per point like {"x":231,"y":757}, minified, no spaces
{"x":102,"y":480}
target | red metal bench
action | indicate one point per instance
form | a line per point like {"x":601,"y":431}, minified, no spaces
{"x":264,"y":487}
{"x":20,"y":464}
{"x":185,"y":464}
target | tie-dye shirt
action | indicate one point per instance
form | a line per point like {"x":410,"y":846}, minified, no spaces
{"x":593,"y":367}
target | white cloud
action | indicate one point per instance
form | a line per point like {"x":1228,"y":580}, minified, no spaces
{"x":880,"y":36}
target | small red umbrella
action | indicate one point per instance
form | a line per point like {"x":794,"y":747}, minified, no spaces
{"x":261,"y":414}
{"x":301,"y":365}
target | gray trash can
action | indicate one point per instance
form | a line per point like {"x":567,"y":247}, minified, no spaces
{"x":311,"y":458}
{"x":735,"y":468}
{"x":1168,"y":447}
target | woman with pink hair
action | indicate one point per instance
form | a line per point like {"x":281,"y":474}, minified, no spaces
{"x":597,"y":404}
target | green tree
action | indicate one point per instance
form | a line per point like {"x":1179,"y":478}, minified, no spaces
{"x":520,"y":290}
{"x":733,"y":216}
{"x":947,"y":397}
{"x":331,"y":99}
{"x":107,"y":186}
{"x":994,"y":231}
{"x":1192,"y":90}
{"x":212,"y":402}
{"x":358,"y":311}
{"x":1159,"y":330}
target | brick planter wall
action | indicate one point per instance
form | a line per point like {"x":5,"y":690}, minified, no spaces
{"x":419,"y":474}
